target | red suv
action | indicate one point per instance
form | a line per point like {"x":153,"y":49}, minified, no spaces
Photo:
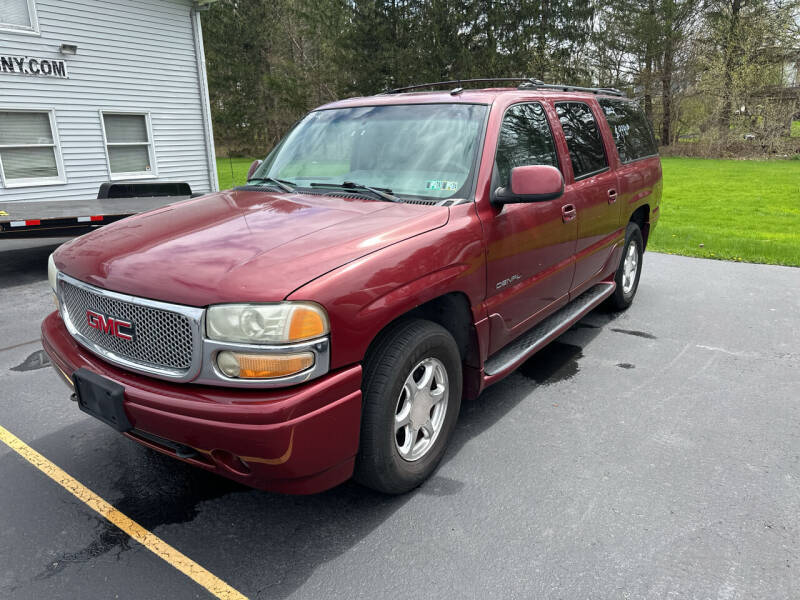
{"x":391,"y":255}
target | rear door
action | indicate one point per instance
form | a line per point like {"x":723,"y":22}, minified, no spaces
{"x":530,"y":246}
{"x":594,"y":186}
{"x":639,"y":171}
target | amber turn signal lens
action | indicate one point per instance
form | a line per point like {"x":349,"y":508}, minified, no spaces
{"x":263,"y":366}
{"x":306,"y":323}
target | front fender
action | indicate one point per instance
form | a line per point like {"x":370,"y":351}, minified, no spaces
{"x":364,"y":296}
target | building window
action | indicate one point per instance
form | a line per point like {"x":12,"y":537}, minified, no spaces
{"x":29,"y":150}
{"x":129,"y":145}
{"x":18,"y":15}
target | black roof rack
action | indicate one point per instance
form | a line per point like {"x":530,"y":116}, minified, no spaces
{"x":525,"y":83}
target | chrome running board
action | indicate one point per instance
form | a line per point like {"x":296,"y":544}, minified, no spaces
{"x":533,"y":340}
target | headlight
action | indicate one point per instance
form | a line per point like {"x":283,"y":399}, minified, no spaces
{"x":280,"y":323}
{"x":52,"y":273}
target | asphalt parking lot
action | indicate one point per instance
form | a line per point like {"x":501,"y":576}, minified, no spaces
{"x":653,"y":454}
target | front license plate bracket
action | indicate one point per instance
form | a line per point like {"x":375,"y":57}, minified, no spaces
{"x":101,"y":398}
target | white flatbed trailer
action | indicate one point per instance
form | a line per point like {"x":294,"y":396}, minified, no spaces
{"x":68,"y":217}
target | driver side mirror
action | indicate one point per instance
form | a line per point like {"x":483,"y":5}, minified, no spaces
{"x":253,"y":168}
{"x":532,"y":183}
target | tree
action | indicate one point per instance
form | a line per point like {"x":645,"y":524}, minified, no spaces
{"x":694,"y":64}
{"x":268,"y":63}
{"x":643,"y":44}
{"x":674,"y":19}
{"x":745,"y":46}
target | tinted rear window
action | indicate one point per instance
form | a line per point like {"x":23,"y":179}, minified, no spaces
{"x":632,"y":133}
{"x":583,"y":138}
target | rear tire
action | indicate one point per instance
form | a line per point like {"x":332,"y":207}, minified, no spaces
{"x":629,"y":270}
{"x":411,"y":399}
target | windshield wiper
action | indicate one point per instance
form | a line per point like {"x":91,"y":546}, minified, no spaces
{"x":286,"y":186}
{"x":382,"y":193}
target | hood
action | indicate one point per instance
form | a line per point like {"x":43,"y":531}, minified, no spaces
{"x":239,"y":246}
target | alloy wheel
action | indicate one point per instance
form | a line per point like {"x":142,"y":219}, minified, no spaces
{"x":421,"y":409}
{"x":630,"y":267}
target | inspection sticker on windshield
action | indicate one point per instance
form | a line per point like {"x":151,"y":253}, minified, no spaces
{"x":441,"y":185}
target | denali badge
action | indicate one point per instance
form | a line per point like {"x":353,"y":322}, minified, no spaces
{"x":116,"y":327}
{"x":501,"y":284}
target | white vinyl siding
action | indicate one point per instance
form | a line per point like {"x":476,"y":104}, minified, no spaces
{"x":29,"y":149}
{"x":18,"y":16}
{"x":129,"y":145}
{"x":134,"y":56}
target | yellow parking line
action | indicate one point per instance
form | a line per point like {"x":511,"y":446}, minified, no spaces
{"x":152,"y":542}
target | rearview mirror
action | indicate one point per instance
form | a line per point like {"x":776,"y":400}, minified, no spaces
{"x":532,"y":183}
{"x":253,"y":168}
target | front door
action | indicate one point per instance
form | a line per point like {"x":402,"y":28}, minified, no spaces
{"x":530,"y":246}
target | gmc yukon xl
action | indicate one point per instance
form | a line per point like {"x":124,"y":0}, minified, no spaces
{"x":391,"y":256}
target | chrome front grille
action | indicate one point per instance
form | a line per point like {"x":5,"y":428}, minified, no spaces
{"x":164,"y":341}
{"x":168,"y":340}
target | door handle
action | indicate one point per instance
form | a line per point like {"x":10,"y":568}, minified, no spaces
{"x":568,"y":213}
{"x":612,"y":196}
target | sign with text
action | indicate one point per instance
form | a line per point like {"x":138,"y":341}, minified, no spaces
{"x":38,"y":67}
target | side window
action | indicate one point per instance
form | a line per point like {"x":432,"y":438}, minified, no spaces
{"x":583,"y":138}
{"x":29,"y":150}
{"x":632,"y":133}
{"x":525,"y":139}
{"x":18,"y":15}
{"x":129,"y":145}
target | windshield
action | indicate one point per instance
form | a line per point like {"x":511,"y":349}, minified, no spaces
{"x":420,"y":150}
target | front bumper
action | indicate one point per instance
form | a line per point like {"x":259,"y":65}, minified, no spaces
{"x":299,"y":440}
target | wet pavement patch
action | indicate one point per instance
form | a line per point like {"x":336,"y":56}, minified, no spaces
{"x":558,"y":361}
{"x":108,"y":538}
{"x":37,"y":360}
{"x":641,"y":334}
{"x":175,"y":499}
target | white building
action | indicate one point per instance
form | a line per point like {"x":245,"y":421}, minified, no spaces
{"x":93,"y":91}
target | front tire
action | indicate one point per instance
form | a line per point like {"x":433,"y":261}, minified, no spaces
{"x":411,"y":399}
{"x":629,"y":270}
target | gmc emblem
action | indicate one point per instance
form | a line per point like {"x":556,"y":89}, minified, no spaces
{"x":116,"y":327}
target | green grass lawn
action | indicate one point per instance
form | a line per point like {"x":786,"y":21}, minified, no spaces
{"x":232,"y":172}
{"x":730,"y":209}
{"x":725,"y":209}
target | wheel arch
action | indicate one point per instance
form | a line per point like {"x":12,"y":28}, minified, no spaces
{"x":453,"y":312}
